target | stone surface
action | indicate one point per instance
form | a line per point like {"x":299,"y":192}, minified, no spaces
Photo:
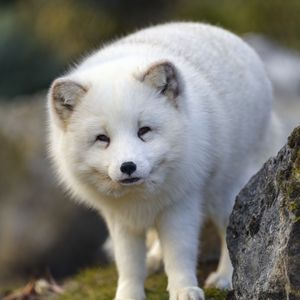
{"x":264,"y":231}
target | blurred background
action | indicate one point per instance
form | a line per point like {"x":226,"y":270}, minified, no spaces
{"x":40,"y":229}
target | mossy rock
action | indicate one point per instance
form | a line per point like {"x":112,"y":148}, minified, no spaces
{"x":263,"y":235}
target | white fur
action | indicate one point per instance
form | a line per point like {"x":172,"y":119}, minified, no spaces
{"x":197,"y":157}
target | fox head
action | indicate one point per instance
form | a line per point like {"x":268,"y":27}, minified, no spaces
{"x":117,"y":127}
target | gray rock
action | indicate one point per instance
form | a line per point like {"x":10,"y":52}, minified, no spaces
{"x":264,"y":232}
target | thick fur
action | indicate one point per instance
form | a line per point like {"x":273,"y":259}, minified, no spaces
{"x":206,"y":98}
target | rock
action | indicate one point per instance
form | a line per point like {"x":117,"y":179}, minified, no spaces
{"x":263,"y":235}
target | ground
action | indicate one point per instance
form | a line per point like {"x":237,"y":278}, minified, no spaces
{"x":100,"y":284}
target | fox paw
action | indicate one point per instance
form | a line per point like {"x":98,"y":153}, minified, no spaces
{"x":219,"y":280}
{"x":189,"y":293}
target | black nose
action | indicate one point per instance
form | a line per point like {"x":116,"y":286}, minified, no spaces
{"x":128,"y":167}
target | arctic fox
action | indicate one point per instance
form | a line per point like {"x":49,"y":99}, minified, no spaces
{"x":160,"y":130}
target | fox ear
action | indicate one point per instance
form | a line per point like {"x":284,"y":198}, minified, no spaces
{"x":64,"y":95}
{"x":163,"y":76}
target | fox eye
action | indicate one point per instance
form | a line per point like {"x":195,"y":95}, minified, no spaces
{"x":103,"y":138}
{"x":142,"y":131}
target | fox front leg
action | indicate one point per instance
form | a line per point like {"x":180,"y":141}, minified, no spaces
{"x":130,"y":252}
{"x":178,"y":229}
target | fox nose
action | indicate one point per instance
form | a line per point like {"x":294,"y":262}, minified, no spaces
{"x":128,"y":167}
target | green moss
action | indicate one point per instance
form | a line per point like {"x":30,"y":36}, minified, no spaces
{"x":296,"y":166}
{"x":100,"y":284}
{"x":215,"y":294}
{"x":91,"y":284}
{"x":296,"y":219}
{"x":294,"y":143}
{"x":156,"y":286}
{"x":289,"y":178}
{"x":293,"y":206}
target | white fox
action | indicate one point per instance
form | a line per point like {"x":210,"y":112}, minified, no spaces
{"x":161,"y":129}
